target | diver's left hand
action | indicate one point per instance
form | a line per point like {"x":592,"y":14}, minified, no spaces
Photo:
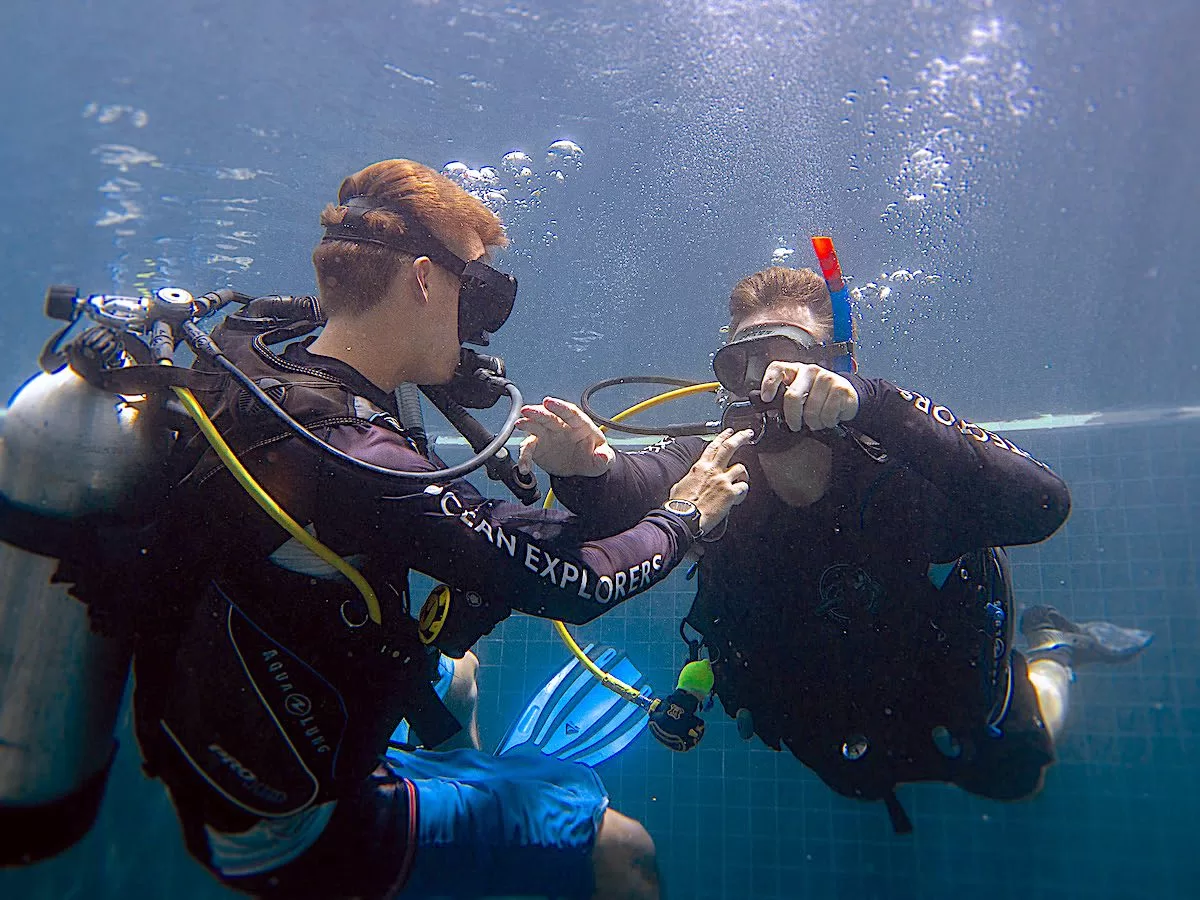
{"x":813,"y":396}
{"x":562,"y":440}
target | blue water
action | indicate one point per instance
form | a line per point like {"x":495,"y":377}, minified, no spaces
{"x":1011,"y":184}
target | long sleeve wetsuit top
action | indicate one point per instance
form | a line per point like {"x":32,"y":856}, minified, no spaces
{"x":274,"y":691}
{"x":822,"y":619}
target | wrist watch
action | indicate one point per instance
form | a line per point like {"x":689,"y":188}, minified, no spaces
{"x":689,"y":512}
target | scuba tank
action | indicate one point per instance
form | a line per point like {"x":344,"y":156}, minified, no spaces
{"x":84,"y":447}
{"x":69,"y":452}
{"x":81,"y":469}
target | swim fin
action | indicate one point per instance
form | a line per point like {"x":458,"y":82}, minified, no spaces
{"x":575,"y":718}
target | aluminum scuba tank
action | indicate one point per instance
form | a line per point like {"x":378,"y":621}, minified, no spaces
{"x":67,"y":449}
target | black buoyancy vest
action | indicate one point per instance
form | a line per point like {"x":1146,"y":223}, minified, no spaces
{"x":969,"y":644}
{"x":273,"y":685}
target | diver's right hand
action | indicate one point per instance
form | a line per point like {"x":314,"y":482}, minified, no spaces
{"x":562,"y":440}
{"x":712,"y":484}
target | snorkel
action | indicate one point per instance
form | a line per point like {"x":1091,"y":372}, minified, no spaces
{"x":742,"y":407}
{"x":839,"y":296}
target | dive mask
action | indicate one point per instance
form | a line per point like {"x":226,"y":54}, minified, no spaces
{"x":485,"y":301}
{"x":485,"y":295}
{"x":741,"y":364}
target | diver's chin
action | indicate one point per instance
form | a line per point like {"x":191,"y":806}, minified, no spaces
{"x":796,"y":442}
{"x":446,"y":371}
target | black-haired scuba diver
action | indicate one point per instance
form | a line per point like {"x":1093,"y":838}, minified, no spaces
{"x":857,"y":608}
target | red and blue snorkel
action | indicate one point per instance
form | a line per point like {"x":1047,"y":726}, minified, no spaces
{"x":839,"y":294}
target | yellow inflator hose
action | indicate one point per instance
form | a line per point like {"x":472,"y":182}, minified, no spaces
{"x":614,"y":684}
{"x":273,"y":509}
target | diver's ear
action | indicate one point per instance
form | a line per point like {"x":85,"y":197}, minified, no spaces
{"x":422,"y":268}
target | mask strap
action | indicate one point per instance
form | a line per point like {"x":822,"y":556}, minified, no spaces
{"x":417,"y":240}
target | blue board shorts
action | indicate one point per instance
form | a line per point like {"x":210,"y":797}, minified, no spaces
{"x":523,"y":824}
{"x":453,"y":824}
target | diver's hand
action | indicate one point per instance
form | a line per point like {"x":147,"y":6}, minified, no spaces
{"x":813,"y":396}
{"x":562,"y":440}
{"x":712,"y":484}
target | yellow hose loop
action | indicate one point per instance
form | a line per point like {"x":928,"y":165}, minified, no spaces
{"x":609,"y":681}
{"x":273,"y":509}
{"x":665,"y":397}
{"x":628,"y":692}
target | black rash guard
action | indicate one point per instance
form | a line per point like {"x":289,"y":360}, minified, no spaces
{"x":269,"y":692}
{"x":823,"y":619}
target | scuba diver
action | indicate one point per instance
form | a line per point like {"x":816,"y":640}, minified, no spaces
{"x":271,"y":664}
{"x":857,"y":607}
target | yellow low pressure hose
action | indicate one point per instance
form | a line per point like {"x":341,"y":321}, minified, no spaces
{"x":273,"y":509}
{"x":612,"y":683}
{"x":280,"y":515}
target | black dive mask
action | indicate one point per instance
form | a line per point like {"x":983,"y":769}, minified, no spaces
{"x":485,"y":295}
{"x":485,"y":301}
{"x":741,"y":364}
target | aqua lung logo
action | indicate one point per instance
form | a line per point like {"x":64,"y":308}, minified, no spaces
{"x":247,"y":777}
{"x":297,"y":704}
{"x":847,"y":592}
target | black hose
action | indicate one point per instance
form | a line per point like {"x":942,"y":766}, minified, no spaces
{"x":676,"y":430}
{"x":204,"y":345}
{"x":408,"y":402}
{"x":502,"y":466}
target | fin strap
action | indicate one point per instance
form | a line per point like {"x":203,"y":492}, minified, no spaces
{"x":901,"y":823}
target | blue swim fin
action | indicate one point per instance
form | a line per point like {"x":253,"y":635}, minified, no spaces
{"x":574,"y":718}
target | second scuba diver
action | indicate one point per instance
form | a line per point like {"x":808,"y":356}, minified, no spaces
{"x":858,"y":608}
{"x":266,"y":688}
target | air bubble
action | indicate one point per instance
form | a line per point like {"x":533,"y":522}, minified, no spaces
{"x":515,"y":162}
{"x":565,"y":154}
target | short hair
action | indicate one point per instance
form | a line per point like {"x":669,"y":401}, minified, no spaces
{"x":781,"y":288}
{"x":353,"y":276}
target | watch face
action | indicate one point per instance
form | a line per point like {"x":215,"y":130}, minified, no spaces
{"x":682,"y":507}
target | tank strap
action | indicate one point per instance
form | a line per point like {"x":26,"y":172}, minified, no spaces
{"x":44,"y":535}
{"x":40,"y":831}
{"x":150,"y":379}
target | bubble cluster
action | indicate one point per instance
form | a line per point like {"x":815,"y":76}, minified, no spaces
{"x":891,"y":293}
{"x":943,"y":121}
{"x":112,"y":112}
{"x":124,"y":157}
{"x":518,"y":182}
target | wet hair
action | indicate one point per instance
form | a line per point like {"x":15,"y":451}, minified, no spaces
{"x":353,"y":277}
{"x":779,"y":288}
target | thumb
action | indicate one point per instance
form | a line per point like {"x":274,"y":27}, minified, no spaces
{"x":604,"y":455}
{"x":525,"y":457}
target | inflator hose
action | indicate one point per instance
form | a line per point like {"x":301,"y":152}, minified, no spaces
{"x":683,"y":388}
{"x":272,"y":508}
